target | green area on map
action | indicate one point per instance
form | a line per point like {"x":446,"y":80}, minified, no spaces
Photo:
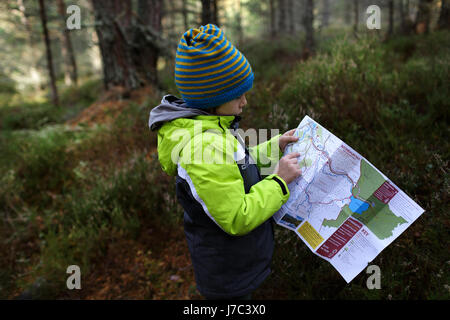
{"x":378,"y":217}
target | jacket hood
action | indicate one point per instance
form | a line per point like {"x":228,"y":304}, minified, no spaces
{"x":169,"y":109}
{"x":177,"y":124}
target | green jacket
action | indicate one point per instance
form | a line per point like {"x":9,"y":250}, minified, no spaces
{"x":204,"y":151}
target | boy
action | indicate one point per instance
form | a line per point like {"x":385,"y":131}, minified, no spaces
{"x":227,"y":204}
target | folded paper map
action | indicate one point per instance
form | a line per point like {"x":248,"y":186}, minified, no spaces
{"x":343,"y":208}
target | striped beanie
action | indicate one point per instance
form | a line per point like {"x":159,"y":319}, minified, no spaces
{"x":209,"y":70}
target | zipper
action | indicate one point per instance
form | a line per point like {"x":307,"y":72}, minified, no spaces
{"x":220,"y":124}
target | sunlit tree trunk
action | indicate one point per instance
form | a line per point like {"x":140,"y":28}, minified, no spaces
{"x":67,"y":48}
{"x":129,"y":55}
{"x":144,"y":52}
{"x":54,"y":90}
{"x":24,"y":19}
{"x":112,"y":26}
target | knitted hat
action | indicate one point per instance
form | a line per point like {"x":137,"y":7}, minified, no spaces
{"x":209,"y":70}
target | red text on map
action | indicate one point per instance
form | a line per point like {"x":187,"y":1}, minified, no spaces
{"x":339,"y":238}
{"x":385,"y":192}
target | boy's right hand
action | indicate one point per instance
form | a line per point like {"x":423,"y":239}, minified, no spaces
{"x":288,"y":168}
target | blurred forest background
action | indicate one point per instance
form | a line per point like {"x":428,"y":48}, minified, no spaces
{"x":80,"y":180}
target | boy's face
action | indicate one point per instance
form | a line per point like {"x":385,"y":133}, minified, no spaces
{"x":233,"y":107}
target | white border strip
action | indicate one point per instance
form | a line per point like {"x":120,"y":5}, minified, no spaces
{"x":183,"y":174}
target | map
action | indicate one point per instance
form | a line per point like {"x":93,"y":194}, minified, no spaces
{"x":342,"y":207}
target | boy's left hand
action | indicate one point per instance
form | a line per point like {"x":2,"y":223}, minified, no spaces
{"x":287,"y":138}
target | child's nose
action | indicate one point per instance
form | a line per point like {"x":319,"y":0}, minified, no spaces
{"x":244,"y":101}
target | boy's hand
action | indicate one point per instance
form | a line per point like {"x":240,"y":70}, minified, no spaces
{"x":288,"y":168}
{"x":287,"y":138}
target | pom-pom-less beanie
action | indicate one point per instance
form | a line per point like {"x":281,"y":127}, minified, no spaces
{"x":209,"y":70}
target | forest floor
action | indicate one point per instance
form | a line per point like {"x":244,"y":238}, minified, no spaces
{"x":155,"y":266}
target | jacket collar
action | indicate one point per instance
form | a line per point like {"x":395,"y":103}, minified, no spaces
{"x":224,"y":122}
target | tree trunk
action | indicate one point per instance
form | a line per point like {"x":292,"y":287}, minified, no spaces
{"x":24,"y":13}
{"x":54,"y":91}
{"x":272,"y":18}
{"x":215,"y":12}
{"x":444,"y":16}
{"x":290,"y":8}
{"x":423,"y":17}
{"x":401,"y":10}
{"x":348,"y":12}
{"x":25,"y":21}
{"x":206,"y":12}
{"x":282,"y":16}
{"x":185,"y":15}
{"x":171,"y":10}
{"x":145,"y":53}
{"x":240,"y":30}
{"x":67,"y":48}
{"x":355,"y":15}
{"x":407,"y":25}
{"x":210,"y":12}
{"x":325,"y":13}
{"x":308,"y":20}
{"x":391,"y":17}
{"x":128,"y":54}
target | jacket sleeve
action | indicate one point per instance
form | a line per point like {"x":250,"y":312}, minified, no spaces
{"x":219,"y":188}
{"x":267,"y":152}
